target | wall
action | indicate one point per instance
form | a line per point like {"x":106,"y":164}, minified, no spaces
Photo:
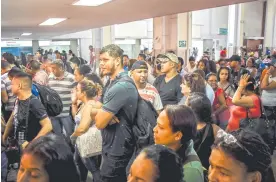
{"x":137,"y":29}
{"x":253,"y":16}
{"x":205,"y":29}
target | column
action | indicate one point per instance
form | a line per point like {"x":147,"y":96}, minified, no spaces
{"x":184,"y":35}
{"x":108,"y":35}
{"x":136,"y":48}
{"x":270,"y":25}
{"x":74,"y":46}
{"x":233,"y":38}
{"x":84,"y":44}
{"x":164,"y":34}
{"x":35,"y":45}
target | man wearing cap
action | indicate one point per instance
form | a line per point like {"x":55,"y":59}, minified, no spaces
{"x":168,"y":84}
{"x":62,"y":82}
{"x":139,"y":74}
{"x":237,"y":70}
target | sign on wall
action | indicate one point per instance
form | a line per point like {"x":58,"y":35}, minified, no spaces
{"x":223,"y":31}
{"x":182,"y":43}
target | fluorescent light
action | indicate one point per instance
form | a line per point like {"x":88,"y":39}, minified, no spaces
{"x":90,"y":2}
{"x":52,"y":21}
{"x":26,"y":34}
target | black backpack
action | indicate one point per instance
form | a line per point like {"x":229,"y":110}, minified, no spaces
{"x":50,"y":99}
{"x":143,"y":124}
{"x":144,"y":121}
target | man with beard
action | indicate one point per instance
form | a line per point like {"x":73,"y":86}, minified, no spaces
{"x":115,"y":118}
{"x":139,"y":74}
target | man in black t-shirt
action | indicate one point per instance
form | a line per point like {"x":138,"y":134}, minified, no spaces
{"x":168,"y":85}
{"x":29,"y":117}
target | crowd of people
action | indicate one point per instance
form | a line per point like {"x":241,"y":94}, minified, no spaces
{"x":62,"y":118}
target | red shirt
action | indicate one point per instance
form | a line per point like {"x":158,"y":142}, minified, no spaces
{"x":238,"y":113}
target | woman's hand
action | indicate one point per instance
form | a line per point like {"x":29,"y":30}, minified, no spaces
{"x":74,"y":96}
{"x":271,"y":70}
{"x":244,"y":80}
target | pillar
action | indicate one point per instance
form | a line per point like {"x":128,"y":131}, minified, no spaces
{"x":184,"y":35}
{"x":136,"y":48}
{"x":108,"y":35}
{"x":35,"y":46}
{"x":165,"y":34}
{"x":74,"y":46}
{"x":234,"y":29}
{"x":270,"y":25}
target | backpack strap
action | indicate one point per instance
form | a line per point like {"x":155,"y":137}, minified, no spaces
{"x":191,"y":158}
{"x":204,"y":136}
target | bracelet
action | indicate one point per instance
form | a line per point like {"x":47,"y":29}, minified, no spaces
{"x":74,"y":104}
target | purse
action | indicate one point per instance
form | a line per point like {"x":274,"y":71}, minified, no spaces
{"x":90,"y":143}
{"x":262,"y":125}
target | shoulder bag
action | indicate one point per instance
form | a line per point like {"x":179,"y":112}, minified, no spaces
{"x":262,"y":125}
{"x":90,"y":143}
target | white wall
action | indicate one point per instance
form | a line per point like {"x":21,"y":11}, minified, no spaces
{"x":137,"y":29}
{"x":206,"y":24}
{"x":253,"y":15}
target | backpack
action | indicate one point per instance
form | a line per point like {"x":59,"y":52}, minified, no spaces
{"x":144,"y":121}
{"x":143,"y":124}
{"x":50,"y":99}
{"x":82,"y":61}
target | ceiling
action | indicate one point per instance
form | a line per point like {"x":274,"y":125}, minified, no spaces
{"x":20,"y":16}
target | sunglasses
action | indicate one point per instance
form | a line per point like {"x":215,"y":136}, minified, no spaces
{"x":230,"y":139}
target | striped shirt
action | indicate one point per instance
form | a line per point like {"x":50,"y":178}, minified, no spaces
{"x":151,"y":94}
{"x":63,"y":87}
{"x":6,"y":86}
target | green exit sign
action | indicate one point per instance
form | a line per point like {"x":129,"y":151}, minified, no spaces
{"x":182,"y":43}
{"x":223,"y":31}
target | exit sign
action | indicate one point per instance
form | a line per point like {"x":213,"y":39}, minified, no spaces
{"x":182,"y":43}
{"x":223,"y":31}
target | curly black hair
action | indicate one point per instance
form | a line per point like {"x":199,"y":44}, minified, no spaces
{"x":251,"y":150}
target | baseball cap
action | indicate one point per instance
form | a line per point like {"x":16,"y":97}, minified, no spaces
{"x":235,"y":58}
{"x":172,"y":57}
{"x":139,"y":65}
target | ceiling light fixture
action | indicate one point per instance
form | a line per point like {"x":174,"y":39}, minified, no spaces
{"x":26,"y":34}
{"x":52,"y":21}
{"x":90,"y":2}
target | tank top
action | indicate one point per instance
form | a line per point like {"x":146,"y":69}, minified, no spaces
{"x":238,"y":113}
{"x":78,"y":115}
{"x":205,"y":150}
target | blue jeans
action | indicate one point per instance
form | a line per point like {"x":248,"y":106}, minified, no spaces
{"x":59,"y":123}
{"x":90,"y":163}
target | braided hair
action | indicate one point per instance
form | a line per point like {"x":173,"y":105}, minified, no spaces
{"x":90,"y":88}
{"x":254,"y":153}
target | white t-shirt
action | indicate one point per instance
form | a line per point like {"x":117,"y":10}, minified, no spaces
{"x":269,"y":96}
{"x":151,"y":94}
